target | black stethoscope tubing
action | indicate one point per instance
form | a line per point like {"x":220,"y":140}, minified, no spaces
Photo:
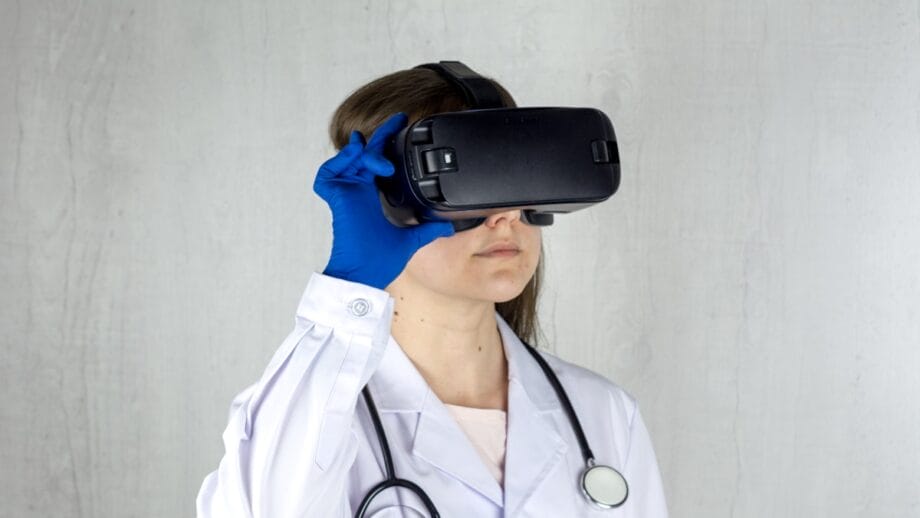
{"x":586,"y":452}
{"x":393,"y":481}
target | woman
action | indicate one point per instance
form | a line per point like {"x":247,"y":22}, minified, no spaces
{"x":431,"y":321}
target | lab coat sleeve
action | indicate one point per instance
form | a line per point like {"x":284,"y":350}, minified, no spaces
{"x":288,"y":443}
{"x":646,"y":494}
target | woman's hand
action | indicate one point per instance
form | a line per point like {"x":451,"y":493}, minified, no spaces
{"x":366,"y":247}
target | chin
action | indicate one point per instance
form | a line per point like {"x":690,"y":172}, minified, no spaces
{"x":499,"y":291}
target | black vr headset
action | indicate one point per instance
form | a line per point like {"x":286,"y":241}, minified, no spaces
{"x":464,"y":166}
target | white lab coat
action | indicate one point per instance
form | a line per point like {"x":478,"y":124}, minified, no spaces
{"x":300,"y":442}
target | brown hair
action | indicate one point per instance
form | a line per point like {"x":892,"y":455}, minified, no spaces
{"x":420,"y":93}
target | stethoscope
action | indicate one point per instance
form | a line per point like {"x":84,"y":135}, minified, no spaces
{"x":602,"y":485}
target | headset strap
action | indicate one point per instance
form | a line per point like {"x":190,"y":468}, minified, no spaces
{"x":478,"y":91}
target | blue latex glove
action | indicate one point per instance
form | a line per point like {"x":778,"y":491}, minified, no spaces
{"x":366,"y":247}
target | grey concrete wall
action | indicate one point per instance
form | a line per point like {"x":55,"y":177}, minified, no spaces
{"x":755,"y":283}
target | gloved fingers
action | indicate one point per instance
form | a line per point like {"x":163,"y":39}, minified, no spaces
{"x":342,"y":163}
{"x":373,"y":161}
{"x":356,"y":137}
{"x":374,"y":165}
{"x":383,"y":133}
{"x":358,"y":162}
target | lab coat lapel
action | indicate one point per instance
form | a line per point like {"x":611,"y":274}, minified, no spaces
{"x":535,"y":446}
{"x":440,"y":441}
{"x":398,"y":387}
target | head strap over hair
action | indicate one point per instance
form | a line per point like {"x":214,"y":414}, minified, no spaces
{"x":478,"y":91}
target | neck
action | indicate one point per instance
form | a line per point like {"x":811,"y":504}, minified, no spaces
{"x":455,"y":345}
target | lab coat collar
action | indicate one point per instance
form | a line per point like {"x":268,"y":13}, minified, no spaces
{"x":537,"y":445}
{"x":399,"y":387}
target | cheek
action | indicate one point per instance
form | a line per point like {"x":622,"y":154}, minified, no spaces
{"x":439,"y":260}
{"x":537,"y":239}
{"x":534,"y":245}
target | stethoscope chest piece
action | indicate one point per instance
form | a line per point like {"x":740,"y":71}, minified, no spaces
{"x":604,"y":486}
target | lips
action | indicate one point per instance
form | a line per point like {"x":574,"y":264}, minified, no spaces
{"x":500,"y":247}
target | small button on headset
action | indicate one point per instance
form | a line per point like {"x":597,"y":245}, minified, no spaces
{"x":359,"y":307}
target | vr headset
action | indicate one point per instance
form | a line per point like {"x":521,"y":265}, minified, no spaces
{"x":464,"y":166}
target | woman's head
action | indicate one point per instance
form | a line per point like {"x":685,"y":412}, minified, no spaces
{"x":454,"y":266}
{"x":417,"y":92}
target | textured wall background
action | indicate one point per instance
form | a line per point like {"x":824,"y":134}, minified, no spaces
{"x":755,"y":283}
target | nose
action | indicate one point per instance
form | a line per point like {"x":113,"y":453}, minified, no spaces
{"x":510,"y":215}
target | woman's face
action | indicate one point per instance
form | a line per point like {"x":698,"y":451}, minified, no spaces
{"x":462,"y":266}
